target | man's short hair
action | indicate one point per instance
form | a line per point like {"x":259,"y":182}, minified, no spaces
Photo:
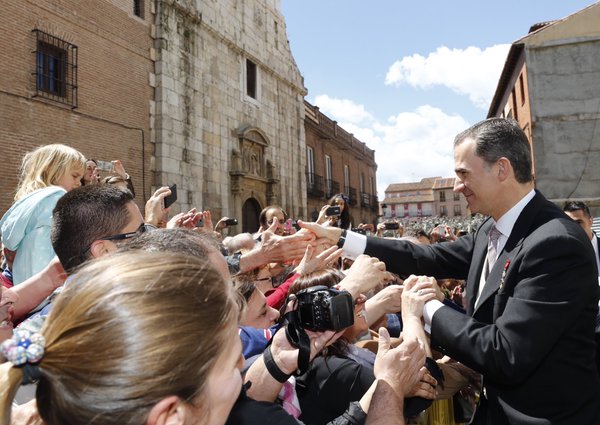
{"x":571,"y":206}
{"x":84,"y":215}
{"x":181,"y":241}
{"x":500,"y":137}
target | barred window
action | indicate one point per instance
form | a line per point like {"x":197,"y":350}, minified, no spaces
{"x":138,"y":8}
{"x":55,"y":69}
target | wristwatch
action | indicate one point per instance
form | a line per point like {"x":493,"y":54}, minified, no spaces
{"x":342,"y":239}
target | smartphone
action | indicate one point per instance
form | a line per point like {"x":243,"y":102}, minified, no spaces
{"x":200,"y":223}
{"x":392,"y":226}
{"x":231,"y":222}
{"x":359,"y":230}
{"x":331,"y":211}
{"x":169,"y":200}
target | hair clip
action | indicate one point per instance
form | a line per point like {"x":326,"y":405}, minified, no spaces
{"x":23,"y":347}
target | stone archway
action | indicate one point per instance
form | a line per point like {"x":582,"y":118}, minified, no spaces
{"x":250,"y":212}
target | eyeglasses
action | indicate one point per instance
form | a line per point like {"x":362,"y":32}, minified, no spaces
{"x":122,"y":236}
{"x":264,"y":279}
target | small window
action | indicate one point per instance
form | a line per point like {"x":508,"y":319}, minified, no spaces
{"x":522,"y":87}
{"x":457,"y":211}
{"x":346,"y":179}
{"x":456,"y":196}
{"x":514,"y":104}
{"x":251,"y":79}
{"x":55,"y":69}
{"x":442,"y":196}
{"x":138,"y":8}
{"x":310,"y":164}
{"x":51,"y":69}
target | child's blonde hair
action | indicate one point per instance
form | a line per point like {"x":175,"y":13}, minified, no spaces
{"x":45,"y":165}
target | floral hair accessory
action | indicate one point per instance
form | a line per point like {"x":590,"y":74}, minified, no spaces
{"x":24,"y":347}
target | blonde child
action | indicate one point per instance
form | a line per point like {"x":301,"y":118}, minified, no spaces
{"x":47,"y":173}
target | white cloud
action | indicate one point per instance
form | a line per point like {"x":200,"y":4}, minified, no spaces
{"x":472,"y":72}
{"x":408,"y":147}
{"x":345,"y":109}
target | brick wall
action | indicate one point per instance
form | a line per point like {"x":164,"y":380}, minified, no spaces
{"x":112,"y":117}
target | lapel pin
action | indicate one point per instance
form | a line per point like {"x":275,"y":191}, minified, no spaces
{"x":504,"y":272}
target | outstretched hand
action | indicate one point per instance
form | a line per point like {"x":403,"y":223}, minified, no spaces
{"x":311,"y":262}
{"x":401,"y":367}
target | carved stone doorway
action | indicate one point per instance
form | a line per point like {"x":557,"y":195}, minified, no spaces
{"x":250,"y":212}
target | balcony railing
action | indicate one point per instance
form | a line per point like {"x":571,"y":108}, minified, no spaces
{"x":331,"y":188}
{"x":351,"y":192}
{"x":314,"y":185}
{"x":374,"y":204}
{"x":365,"y":200}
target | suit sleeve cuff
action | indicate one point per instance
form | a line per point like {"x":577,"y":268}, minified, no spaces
{"x":429,"y":310}
{"x":354,"y":245}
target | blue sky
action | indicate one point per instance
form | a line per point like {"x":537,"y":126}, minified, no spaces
{"x":405,"y":76}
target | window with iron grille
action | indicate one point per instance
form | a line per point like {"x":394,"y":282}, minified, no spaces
{"x":138,"y":8}
{"x":55,"y":69}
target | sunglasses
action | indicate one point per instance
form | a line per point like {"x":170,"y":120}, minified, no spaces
{"x":123,"y":236}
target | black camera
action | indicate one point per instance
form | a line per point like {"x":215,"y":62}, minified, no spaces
{"x":392,"y":225}
{"x":359,"y":230}
{"x":321,"y":308}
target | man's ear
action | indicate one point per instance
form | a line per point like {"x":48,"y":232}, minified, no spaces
{"x":169,"y":411}
{"x":99,"y":248}
{"x":504,"y":168}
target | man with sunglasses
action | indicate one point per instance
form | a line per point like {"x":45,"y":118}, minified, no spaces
{"x":87,"y":223}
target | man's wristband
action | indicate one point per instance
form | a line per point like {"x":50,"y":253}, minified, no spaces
{"x":272,"y":367}
{"x":342,"y":239}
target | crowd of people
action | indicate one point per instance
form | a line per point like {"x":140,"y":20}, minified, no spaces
{"x":120,"y":316}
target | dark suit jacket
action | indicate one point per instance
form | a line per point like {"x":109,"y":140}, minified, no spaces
{"x":532,"y":334}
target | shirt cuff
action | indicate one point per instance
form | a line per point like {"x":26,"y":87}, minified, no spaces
{"x":429,"y":310}
{"x":354,"y":245}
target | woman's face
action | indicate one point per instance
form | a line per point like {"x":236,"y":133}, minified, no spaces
{"x":258,"y":314}
{"x":71,"y":179}
{"x":340,"y":203}
{"x":90,"y":167}
{"x":263,"y":280}
{"x":7,"y":300}
{"x":360,"y":320}
{"x":224,"y":383}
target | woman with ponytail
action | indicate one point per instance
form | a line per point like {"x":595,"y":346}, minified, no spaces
{"x":131,"y":340}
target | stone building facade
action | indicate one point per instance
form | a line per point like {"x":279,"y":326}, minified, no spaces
{"x":550,"y":79}
{"x":76,"y":75}
{"x":337,"y":162}
{"x":228,"y":118}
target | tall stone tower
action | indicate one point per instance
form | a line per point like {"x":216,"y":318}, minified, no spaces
{"x":228,"y":117}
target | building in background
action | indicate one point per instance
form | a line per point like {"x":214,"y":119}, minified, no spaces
{"x":337,"y":162}
{"x":79,"y":75}
{"x":229,"y":114}
{"x":203,"y":94}
{"x":432,"y":196}
{"x":549,"y":84}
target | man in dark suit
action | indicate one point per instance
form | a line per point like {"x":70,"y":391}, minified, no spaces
{"x":580,"y":212}
{"x":532,"y":287}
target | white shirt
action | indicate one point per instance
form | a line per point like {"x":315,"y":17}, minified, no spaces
{"x":595,"y":245}
{"x":355,"y":244}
